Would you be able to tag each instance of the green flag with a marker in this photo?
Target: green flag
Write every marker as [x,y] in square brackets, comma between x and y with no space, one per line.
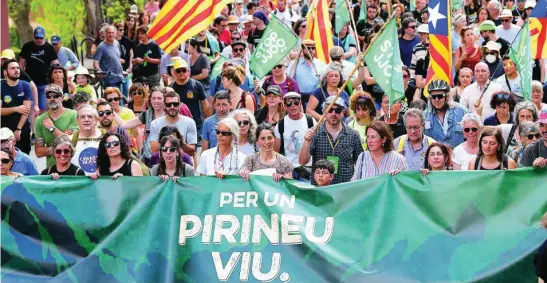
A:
[384,62]
[521,54]
[457,4]
[276,43]
[218,66]
[342,15]
[363,12]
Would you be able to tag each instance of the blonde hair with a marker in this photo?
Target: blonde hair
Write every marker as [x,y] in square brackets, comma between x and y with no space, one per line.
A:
[235,73]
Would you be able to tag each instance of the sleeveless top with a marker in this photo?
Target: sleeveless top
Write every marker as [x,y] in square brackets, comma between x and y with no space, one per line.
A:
[125,169]
[503,165]
[472,59]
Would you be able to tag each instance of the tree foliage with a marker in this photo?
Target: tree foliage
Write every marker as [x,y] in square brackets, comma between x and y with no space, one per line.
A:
[60,17]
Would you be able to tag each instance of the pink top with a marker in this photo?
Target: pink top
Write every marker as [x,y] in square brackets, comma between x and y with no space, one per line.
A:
[152,8]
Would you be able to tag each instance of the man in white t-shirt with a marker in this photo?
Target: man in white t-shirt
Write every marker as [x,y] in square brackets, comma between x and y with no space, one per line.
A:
[86,140]
[290,131]
[286,14]
[473,92]
[510,81]
[507,30]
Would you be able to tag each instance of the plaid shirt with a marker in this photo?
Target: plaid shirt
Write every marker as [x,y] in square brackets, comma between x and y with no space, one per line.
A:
[347,148]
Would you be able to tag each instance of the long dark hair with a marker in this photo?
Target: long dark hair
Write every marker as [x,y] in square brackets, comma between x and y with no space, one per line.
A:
[490,131]
[57,67]
[180,165]
[194,43]
[385,132]
[447,153]
[131,33]
[103,161]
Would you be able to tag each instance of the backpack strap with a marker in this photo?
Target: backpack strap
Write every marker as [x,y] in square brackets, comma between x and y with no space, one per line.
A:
[75,137]
[507,82]
[77,170]
[401,144]
[309,119]
[281,129]
[478,163]
[510,137]
[430,141]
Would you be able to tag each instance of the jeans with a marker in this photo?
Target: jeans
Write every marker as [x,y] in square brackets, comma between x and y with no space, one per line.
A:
[41,97]
[126,83]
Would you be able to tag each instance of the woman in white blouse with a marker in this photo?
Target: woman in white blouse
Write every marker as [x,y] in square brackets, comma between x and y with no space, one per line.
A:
[247,130]
[225,158]
[463,153]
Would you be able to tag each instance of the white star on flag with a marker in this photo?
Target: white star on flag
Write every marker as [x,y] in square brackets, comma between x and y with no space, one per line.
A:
[434,15]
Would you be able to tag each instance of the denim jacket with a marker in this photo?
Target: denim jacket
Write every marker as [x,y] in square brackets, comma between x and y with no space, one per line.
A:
[434,128]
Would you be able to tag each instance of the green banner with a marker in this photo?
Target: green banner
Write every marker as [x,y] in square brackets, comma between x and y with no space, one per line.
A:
[521,54]
[278,40]
[341,15]
[445,227]
[363,11]
[384,62]
[217,69]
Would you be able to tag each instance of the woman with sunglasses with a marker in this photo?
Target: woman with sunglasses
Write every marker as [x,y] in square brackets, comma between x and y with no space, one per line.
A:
[273,110]
[247,130]
[170,131]
[529,133]
[7,162]
[266,161]
[171,164]
[437,158]
[491,154]
[524,111]
[114,159]
[464,152]
[364,112]
[504,104]
[139,96]
[224,159]
[57,75]
[62,150]
[113,96]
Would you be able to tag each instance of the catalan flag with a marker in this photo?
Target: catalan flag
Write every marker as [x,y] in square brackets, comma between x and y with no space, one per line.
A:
[538,30]
[320,29]
[440,42]
[179,20]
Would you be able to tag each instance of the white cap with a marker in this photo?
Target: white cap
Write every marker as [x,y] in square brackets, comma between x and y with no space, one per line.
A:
[423,28]
[134,9]
[493,46]
[6,133]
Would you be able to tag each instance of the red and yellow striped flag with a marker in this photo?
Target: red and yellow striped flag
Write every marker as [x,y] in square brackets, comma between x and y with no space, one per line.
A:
[320,29]
[440,43]
[179,20]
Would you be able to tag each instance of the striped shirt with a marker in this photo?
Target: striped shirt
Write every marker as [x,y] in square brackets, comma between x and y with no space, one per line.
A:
[419,52]
[366,167]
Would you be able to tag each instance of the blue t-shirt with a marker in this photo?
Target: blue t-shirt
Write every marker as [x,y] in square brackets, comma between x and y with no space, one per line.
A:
[406,47]
[317,93]
[208,131]
[109,61]
[13,97]
[24,165]
[216,86]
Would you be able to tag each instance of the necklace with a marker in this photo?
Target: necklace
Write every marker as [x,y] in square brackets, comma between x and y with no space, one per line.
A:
[221,164]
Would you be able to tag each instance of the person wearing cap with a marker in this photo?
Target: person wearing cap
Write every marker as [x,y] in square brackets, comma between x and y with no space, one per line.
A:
[476,97]
[66,57]
[306,70]
[492,59]
[487,30]
[57,121]
[285,14]
[421,49]
[443,115]
[260,20]
[233,23]
[147,56]
[107,59]
[535,154]
[272,110]
[35,58]
[83,83]
[507,30]
[289,134]
[510,81]
[336,54]
[331,81]
[333,141]
[22,163]
[469,53]
[280,78]
[16,104]
[247,22]
[166,60]
[408,40]
[134,10]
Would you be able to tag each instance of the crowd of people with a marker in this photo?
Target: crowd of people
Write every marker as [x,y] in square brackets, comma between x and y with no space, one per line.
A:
[162,113]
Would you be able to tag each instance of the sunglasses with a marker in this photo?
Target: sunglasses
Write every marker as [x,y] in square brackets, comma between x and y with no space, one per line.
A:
[168,148]
[505,20]
[137,93]
[6,160]
[39,38]
[54,96]
[172,104]
[223,133]
[63,151]
[122,30]
[290,103]
[238,49]
[337,110]
[536,135]
[310,47]
[113,99]
[278,67]
[243,123]
[467,130]
[303,26]
[412,27]
[111,144]
[181,71]
[502,95]
[437,96]
[495,53]
[102,113]
[405,77]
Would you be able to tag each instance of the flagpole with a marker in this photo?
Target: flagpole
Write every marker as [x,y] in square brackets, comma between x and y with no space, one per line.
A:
[354,26]
[357,65]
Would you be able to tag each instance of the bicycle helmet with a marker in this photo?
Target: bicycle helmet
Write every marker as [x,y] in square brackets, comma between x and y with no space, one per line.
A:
[438,85]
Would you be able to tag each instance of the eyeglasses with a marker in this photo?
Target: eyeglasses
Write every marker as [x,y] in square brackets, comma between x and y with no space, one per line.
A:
[102,113]
[536,135]
[172,104]
[467,130]
[412,27]
[236,38]
[243,123]
[111,144]
[337,110]
[168,148]
[278,67]
[137,93]
[437,96]
[113,99]
[223,133]
[505,20]
[302,26]
[181,71]
[238,49]
[290,103]
[122,30]
[54,96]
[405,77]
[502,95]
[413,128]
[63,151]
[6,160]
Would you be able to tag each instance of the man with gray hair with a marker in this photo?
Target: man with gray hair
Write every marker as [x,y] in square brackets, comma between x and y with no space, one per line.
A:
[107,59]
[495,8]
[414,144]
[86,140]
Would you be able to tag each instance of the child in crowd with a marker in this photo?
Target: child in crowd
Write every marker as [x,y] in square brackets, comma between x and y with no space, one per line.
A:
[324,172]
[83,80]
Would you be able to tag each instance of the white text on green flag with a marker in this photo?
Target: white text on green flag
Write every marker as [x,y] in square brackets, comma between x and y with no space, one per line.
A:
[521,54]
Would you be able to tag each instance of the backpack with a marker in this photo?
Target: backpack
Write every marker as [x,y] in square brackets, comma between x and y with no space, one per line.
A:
[402,140]
[281,129]
[269,81]
[241,103]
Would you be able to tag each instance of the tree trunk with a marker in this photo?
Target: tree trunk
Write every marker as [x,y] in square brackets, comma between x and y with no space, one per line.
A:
[19,11]
[93,20]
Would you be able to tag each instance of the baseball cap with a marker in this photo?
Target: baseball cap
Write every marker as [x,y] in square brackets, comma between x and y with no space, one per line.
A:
[493,46]
[39,32]
[292,94]
[180,64]
[339,101]
[8,54]
[134,9]
[423,28]
[239,42]
[336,52]
[487,26]
[530,4]
[6,133]
[55,39]
[543,116]
[275,89]
[54,88]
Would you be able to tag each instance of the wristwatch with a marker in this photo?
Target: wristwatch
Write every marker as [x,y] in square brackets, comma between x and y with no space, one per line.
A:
[51,129]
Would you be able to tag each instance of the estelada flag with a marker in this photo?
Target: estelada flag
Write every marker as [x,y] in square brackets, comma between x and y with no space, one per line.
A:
[320,29]
[179,20]
[440,43]
[538,30]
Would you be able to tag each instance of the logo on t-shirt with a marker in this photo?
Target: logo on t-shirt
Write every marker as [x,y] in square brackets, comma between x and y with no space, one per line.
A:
[189,95]
[7,99]
[88,159]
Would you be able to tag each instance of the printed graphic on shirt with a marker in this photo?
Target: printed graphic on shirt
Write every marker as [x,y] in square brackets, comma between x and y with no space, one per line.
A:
[88,159]
[294,144]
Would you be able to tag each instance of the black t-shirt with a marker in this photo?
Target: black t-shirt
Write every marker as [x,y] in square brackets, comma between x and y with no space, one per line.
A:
[38,60]
[398,129]
[202,63]
[254,36]
[364,28]
[191,94]
[126,45]
[504,45]
[151,50]
[73,170]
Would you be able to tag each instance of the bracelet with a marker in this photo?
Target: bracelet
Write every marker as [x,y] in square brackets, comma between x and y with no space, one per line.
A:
[18,129]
